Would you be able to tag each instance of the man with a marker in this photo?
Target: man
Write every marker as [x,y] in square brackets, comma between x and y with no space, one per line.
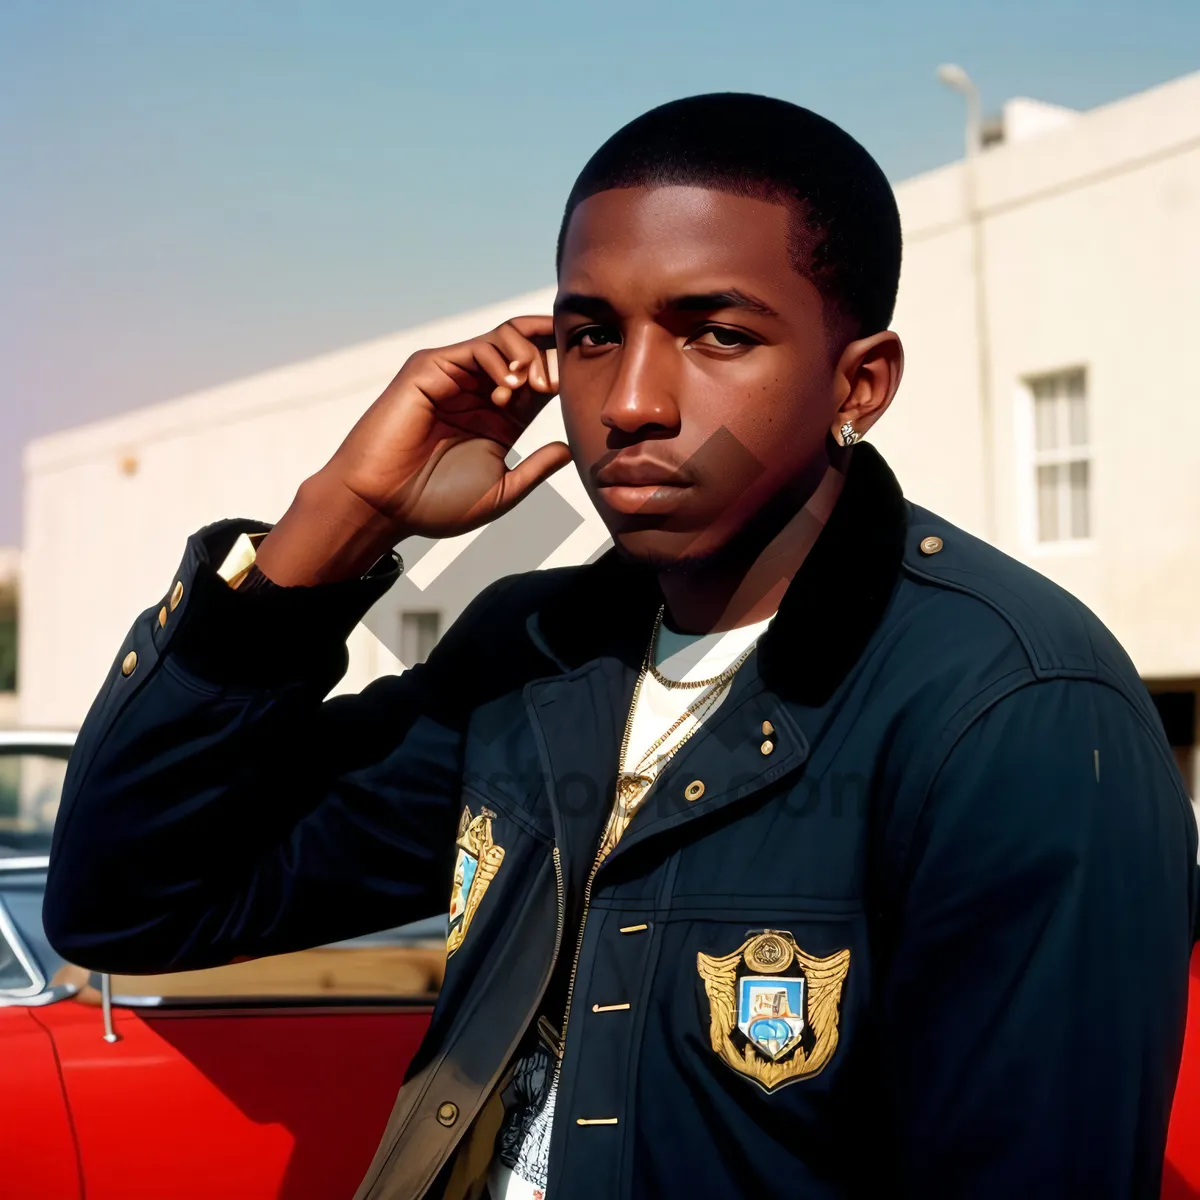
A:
[793,745]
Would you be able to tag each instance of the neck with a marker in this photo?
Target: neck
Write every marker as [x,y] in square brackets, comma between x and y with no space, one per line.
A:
[728,593]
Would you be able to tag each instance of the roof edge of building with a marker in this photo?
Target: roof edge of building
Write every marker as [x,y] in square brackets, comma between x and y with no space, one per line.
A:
[1098,142]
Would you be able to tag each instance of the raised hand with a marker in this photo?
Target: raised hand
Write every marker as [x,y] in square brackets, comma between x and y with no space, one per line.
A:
[427,458]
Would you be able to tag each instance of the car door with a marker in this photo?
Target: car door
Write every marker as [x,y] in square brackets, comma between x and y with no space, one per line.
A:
[38,1151]
[268,1079]
[1181,1174]
[271,1078]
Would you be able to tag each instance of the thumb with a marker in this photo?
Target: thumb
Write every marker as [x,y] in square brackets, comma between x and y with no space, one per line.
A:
[529,472]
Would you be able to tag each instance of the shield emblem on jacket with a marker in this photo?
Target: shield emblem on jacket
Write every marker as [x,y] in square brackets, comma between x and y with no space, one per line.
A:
[475,866]
[773,1009]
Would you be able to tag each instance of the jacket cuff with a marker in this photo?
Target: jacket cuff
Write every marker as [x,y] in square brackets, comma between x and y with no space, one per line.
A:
[266,636]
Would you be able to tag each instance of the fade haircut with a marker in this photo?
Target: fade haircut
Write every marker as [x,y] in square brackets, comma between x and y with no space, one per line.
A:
[845,228]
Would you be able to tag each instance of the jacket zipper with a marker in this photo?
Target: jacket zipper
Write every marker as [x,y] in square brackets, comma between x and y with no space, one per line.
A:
[560,890]
[587,890]
[562,1037]
[601,854]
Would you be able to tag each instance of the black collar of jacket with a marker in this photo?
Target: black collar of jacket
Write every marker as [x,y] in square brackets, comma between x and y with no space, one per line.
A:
[827,615]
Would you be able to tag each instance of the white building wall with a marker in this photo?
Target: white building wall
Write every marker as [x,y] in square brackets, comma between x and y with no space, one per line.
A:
[101,544]
[1091,234]
[1091,237]
[933,434]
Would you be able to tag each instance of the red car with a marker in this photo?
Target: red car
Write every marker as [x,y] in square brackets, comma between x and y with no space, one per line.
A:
[269,1079]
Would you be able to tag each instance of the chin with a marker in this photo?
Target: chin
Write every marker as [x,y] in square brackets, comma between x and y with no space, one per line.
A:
[729,540]
[662,551]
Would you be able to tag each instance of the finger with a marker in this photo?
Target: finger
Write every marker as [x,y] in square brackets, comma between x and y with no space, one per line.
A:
[526,404]
[479,356]
[526,361]
[535,326]
[494,363]
[488,358]
[535,468]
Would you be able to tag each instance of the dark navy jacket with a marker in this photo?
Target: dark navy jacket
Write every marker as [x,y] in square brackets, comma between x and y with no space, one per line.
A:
[967,839]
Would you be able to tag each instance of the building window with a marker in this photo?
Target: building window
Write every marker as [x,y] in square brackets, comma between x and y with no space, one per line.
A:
[8,653]
[1062,455]
[8,630]
[419,633]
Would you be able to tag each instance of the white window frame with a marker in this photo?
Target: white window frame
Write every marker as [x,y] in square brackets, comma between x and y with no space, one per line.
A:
[1029,458]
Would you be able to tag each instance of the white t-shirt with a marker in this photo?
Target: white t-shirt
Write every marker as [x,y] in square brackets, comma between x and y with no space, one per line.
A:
[682,657]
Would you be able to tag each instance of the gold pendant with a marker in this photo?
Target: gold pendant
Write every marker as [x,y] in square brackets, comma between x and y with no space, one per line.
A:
[630,786]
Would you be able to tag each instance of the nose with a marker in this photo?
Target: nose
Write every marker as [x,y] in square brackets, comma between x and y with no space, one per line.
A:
[643,390]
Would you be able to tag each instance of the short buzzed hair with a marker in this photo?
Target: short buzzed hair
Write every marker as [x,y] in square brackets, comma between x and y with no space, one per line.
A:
[846,227]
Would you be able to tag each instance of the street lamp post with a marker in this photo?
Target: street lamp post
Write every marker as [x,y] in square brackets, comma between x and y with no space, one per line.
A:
[953,76]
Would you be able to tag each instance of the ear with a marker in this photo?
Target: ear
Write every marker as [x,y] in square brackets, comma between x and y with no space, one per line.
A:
[868,374]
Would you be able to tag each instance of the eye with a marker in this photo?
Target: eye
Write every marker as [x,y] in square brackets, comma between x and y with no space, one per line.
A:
[592,337]
[722,336]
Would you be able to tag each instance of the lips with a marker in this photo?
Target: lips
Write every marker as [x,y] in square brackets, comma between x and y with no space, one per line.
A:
[639,472]
[641,486]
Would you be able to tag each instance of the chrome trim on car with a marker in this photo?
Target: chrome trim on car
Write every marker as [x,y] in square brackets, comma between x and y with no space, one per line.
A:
[106,1006]
[10,934]
[31,862]
[16,740]
[226,1002]
[220,1006]
[52,995]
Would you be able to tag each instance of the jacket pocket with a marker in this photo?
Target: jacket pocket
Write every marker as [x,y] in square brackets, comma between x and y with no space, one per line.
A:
[760,1000]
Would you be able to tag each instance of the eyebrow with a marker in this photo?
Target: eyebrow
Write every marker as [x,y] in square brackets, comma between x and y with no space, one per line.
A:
[595,307]
[711,301]
[598,308]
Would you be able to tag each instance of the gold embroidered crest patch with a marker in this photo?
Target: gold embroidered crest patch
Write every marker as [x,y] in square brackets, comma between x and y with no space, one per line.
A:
[773,1009]
[475,867]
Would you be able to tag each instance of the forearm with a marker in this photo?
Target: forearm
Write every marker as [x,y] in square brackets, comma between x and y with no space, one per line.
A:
[328,534]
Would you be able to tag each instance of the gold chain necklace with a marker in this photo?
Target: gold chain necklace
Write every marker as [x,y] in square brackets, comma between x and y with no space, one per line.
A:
[632,785]
[716,682]
[690,683]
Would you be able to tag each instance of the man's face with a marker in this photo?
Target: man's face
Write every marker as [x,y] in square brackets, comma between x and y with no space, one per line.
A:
[697,379]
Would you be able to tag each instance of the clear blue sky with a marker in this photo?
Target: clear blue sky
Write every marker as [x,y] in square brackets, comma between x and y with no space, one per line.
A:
[191,191]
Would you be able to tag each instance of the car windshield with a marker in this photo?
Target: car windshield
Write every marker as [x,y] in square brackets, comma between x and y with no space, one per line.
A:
[30,789]
[13,975]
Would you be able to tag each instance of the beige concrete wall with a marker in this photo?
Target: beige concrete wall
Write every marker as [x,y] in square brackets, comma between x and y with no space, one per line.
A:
[108,506]
[1091,238]
[933,433]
